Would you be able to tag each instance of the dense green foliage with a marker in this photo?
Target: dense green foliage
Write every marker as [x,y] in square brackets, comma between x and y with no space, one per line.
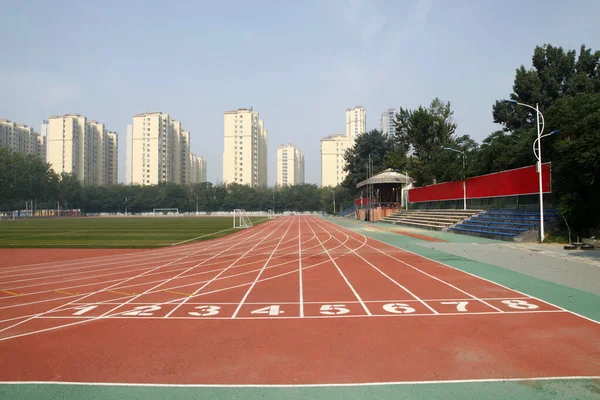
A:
[114,232]
[25,178]
[370,146]
[566,85]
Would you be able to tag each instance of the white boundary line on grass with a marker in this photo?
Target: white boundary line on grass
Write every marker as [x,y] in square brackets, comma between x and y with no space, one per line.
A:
[306,385]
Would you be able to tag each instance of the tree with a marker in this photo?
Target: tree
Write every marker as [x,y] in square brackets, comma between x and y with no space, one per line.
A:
[566,87]
[374,145]
[576,162]
[24,177]
[424,132]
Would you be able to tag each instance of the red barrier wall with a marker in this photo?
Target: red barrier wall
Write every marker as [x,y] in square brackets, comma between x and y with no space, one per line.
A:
[360,202]
[513,182]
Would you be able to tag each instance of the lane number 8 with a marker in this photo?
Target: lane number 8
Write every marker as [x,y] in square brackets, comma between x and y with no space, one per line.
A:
[519,304]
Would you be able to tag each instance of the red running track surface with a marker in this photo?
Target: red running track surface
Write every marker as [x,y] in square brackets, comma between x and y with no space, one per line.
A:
[298,300]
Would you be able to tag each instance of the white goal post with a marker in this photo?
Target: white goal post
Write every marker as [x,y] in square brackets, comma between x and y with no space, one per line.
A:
[165,212]
[4,215]
[241,219]
[270,214]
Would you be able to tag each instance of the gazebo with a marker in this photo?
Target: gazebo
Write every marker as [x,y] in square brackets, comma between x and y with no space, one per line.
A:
[384,193]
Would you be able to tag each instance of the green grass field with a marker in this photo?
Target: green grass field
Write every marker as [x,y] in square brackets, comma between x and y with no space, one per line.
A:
[120,232]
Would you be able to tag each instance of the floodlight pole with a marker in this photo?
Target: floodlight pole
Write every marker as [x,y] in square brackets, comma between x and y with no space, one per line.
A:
[333,191]
[538,155]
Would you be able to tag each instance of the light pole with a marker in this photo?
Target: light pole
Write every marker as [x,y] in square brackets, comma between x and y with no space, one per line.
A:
[538,155]
[333,191]
[464,175]
[125,205]
[196,204]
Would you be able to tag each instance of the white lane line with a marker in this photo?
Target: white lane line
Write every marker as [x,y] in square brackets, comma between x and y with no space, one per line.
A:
[424,273]
[195,248]
[103,290]
[490,281]
[266,386]
[417,298]
[156,281]
[108,313]
[301,290]
[237,310]
[218,275]
[390,315]
[362,303]
[111,301]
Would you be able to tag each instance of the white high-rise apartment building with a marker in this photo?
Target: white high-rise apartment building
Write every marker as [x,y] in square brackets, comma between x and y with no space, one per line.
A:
[198,169]
[387,122]
[22,139]
[356,121]
[160,150]
[290,165]
[333,148]
[129,154]
[245,148]
[83,148]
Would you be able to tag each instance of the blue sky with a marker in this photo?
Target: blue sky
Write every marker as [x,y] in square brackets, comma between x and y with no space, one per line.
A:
[300,64]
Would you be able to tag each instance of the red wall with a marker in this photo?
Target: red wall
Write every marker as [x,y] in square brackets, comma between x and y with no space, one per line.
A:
[365,200]
[519,181]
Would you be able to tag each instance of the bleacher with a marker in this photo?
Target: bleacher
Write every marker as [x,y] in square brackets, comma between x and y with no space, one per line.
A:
[505,224]
[430,219]
[346,212]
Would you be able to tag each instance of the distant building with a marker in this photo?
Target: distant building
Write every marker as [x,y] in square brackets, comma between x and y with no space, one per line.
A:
[198,169]
[290,165]
[356,121]
[333,148]
[84,148]
[245,148]
[22,139]
[160,150]
[129,154]
[387,122]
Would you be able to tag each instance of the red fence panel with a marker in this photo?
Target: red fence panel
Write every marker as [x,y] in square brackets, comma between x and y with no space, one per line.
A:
[361,201]
[513,182]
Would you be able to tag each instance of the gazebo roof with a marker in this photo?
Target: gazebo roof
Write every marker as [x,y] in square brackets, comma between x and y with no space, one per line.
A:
[387,176]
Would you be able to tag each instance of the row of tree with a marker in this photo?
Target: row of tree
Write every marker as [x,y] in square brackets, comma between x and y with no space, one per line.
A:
[26,179]
[566,86]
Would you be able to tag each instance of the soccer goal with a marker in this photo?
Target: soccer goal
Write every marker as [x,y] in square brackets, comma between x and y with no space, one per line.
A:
[165,212]
[241,219]
[270,214]
[7,215]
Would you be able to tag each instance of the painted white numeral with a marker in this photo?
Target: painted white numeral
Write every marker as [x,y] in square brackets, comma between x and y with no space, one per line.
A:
[398,308]
[142,311]
[270,310]
[334,309]
[205,311]
[519,304]
[83,310]
[460,305]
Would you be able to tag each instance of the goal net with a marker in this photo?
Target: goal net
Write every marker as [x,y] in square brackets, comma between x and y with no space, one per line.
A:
[241,219]
[270,214]
[4,215]
[165,212]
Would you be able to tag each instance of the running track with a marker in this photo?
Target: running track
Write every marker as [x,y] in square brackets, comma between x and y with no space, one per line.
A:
[298,300]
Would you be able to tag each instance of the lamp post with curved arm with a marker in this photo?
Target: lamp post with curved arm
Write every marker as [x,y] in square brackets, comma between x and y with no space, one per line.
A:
[538,154]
